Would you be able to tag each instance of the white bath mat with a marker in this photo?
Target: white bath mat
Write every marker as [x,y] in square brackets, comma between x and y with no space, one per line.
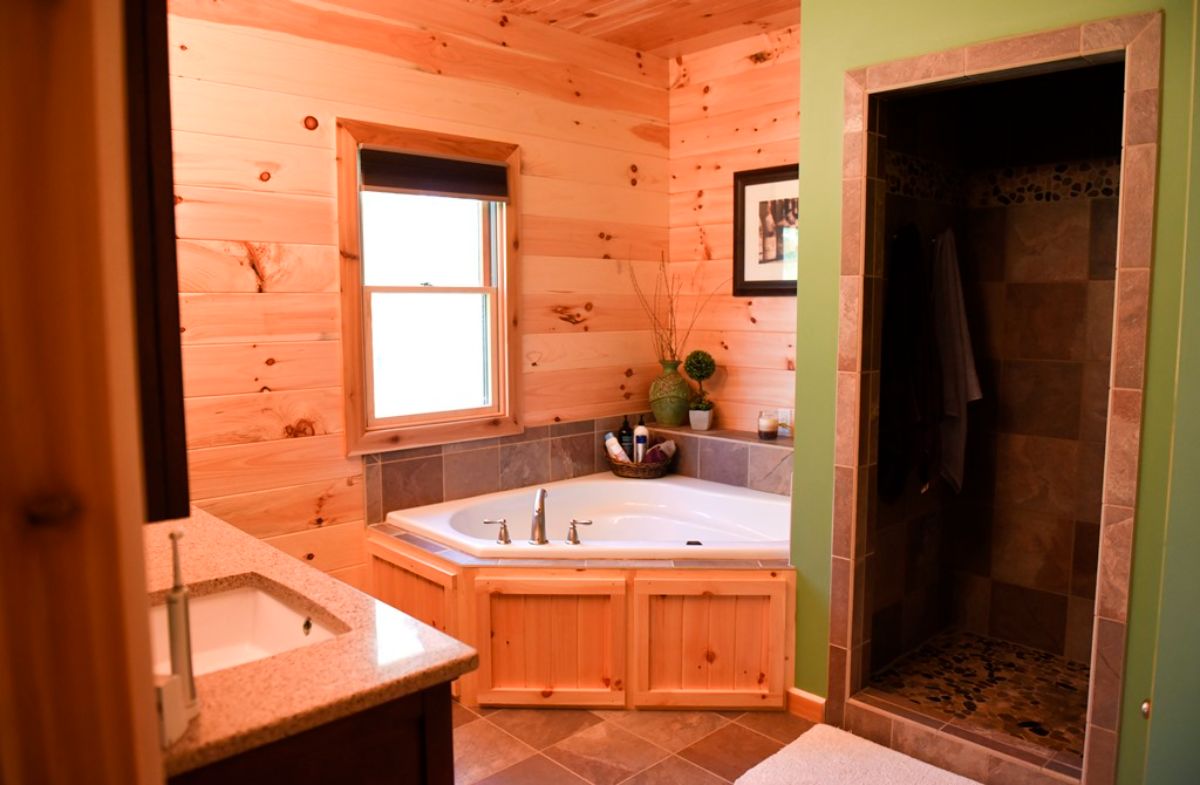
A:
[828,756]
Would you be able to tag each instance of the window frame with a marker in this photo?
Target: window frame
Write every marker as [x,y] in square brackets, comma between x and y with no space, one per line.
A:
[364,433]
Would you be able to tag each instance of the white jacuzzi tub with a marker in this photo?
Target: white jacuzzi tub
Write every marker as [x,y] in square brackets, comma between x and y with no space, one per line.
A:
[632,519]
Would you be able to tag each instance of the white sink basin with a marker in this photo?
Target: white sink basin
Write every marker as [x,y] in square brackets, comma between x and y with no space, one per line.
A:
[235,627]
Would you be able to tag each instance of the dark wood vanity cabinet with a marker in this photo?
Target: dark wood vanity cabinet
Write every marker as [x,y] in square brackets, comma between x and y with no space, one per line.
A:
[403,742]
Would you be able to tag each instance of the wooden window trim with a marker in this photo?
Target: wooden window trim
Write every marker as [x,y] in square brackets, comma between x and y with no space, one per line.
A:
[504,419]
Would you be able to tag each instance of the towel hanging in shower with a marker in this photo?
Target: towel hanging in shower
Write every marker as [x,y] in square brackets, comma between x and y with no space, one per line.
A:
[910,399]
[960,382]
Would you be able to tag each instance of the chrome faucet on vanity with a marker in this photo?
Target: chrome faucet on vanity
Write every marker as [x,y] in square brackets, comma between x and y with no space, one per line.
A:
[537,531]
[179,629]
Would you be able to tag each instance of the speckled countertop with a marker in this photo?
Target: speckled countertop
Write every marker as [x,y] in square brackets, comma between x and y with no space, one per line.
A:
[380,654]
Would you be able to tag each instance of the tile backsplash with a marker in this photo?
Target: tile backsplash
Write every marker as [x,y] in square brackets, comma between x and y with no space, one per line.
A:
[544,453]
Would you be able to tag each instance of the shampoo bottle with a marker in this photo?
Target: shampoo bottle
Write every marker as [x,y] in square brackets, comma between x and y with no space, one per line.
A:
[641,440]
[625,436]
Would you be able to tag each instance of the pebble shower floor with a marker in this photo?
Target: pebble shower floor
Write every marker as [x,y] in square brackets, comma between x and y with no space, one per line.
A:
[1037,697]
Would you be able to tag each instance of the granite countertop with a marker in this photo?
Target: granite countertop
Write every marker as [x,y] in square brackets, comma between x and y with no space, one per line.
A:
[379,654]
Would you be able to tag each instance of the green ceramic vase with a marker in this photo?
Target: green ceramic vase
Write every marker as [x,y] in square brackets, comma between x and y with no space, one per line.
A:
[670,394]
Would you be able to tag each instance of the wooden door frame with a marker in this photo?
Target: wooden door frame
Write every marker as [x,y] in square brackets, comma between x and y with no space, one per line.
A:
[75,666]
[1136,39]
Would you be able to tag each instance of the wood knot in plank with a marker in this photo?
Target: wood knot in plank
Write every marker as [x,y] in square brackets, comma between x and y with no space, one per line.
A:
[301,428]
[254,257]
[569,315]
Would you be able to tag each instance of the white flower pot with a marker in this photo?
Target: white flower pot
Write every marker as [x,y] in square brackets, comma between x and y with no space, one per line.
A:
[701,420]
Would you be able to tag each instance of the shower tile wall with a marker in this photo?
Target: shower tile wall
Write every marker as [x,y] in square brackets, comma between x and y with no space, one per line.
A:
[1014,555]
[908,574]
[1024,532]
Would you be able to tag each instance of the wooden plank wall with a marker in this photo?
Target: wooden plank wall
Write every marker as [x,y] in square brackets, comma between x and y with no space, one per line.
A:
[733,107]
[257,85]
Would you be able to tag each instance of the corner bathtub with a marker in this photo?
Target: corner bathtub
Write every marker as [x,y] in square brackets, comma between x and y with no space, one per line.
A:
[631,519]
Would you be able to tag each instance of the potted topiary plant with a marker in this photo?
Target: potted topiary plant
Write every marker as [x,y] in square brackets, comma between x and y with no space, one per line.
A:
[700,366]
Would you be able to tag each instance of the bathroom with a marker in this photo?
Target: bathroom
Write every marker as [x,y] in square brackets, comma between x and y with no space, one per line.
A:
[627,134]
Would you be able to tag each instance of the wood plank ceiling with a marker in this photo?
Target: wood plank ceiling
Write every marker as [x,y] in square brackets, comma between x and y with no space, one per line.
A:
[668,28]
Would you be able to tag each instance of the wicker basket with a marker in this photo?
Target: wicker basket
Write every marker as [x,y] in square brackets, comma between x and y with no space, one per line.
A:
[639,471]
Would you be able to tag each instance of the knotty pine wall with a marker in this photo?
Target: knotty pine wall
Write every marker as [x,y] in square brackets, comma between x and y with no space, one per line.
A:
[733,107]
[257,85]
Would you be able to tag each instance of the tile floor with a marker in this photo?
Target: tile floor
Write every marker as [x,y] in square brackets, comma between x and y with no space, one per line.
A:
[994,685]
[578,747]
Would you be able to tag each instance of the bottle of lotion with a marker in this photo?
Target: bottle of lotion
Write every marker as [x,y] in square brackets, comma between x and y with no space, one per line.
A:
[641,440]
[614,448]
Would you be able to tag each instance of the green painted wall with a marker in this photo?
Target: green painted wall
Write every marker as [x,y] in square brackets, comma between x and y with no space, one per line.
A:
[1173,754]
[838,35]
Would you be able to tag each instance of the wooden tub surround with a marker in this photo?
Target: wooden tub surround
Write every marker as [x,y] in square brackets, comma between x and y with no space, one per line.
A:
[605,633]
[1137,40]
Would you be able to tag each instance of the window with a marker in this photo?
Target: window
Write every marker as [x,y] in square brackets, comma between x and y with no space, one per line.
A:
[428,241]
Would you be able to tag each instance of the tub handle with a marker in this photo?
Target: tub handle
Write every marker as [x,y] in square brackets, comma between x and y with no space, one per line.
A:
[502,537]
[573,533]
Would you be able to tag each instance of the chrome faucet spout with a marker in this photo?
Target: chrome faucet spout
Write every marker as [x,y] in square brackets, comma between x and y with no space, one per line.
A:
[537,529]
[179,629]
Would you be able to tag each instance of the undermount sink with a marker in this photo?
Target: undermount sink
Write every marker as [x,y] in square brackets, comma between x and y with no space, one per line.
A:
[234,627]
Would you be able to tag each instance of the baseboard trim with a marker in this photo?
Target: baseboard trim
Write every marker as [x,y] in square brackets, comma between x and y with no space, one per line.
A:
[806,705]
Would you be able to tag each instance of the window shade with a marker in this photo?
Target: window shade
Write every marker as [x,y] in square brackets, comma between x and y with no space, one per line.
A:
[424,174]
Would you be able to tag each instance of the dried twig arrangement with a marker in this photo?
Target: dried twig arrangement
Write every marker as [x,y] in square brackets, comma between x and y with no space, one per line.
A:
[662,306]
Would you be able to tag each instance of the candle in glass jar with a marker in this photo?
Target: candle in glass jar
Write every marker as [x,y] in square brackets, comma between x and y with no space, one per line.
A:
[768,425]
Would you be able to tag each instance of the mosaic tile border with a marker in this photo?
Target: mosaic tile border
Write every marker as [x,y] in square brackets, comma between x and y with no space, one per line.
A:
[1098,178]
[1139,39]
[915,177]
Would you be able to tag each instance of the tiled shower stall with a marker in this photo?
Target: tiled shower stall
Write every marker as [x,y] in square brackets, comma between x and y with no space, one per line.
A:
[982,629]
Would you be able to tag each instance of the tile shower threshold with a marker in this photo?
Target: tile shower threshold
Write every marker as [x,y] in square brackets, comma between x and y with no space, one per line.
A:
[966,750]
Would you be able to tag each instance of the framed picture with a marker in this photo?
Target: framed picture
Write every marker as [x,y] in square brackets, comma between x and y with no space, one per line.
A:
[765,236]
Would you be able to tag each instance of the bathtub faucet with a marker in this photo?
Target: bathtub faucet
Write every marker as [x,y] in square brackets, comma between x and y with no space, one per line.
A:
[537,532]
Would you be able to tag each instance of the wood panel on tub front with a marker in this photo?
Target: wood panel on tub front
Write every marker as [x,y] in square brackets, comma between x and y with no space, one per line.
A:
[601,637]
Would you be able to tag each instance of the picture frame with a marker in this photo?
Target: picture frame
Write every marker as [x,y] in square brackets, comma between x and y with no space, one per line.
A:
[765,234]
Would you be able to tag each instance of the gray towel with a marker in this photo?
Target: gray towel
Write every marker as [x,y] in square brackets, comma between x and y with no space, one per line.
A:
[960,383]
